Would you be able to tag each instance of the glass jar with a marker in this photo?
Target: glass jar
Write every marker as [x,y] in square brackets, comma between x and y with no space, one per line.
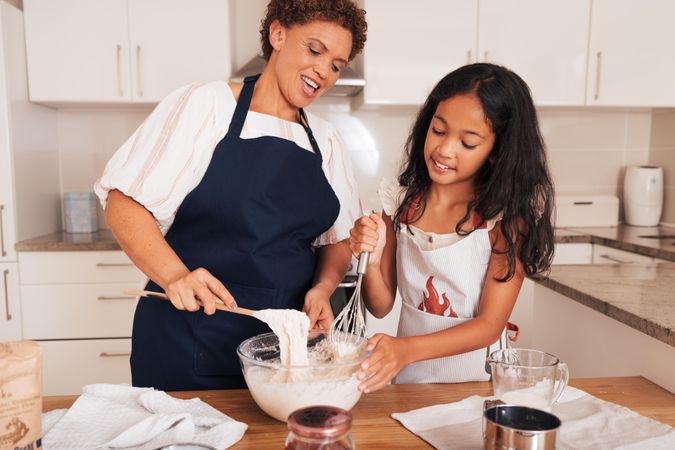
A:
[320,428]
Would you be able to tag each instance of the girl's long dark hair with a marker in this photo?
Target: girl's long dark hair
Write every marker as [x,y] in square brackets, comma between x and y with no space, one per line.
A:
[515,180]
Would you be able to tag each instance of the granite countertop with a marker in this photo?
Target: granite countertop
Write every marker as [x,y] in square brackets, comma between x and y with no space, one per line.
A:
[67,242]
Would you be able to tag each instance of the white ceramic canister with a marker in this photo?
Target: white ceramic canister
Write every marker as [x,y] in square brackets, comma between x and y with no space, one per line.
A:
[80,212]
[643,195]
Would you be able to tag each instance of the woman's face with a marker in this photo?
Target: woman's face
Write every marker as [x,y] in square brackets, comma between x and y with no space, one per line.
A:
[308,58]
[459,140]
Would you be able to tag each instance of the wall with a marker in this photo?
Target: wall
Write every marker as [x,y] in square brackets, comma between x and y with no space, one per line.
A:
[662,153]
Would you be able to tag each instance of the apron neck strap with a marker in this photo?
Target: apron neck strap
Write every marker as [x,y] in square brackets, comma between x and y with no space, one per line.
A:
[245,96]
[244,103]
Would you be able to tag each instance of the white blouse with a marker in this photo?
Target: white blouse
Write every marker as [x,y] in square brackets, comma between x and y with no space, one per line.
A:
[168,155]
[392,194]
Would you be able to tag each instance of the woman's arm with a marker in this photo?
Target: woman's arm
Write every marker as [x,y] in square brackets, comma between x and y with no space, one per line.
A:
[375,234]
[332,264]
[390,355]
[139,236]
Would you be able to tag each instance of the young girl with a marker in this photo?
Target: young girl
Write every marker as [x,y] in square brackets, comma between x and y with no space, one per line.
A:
[467,220]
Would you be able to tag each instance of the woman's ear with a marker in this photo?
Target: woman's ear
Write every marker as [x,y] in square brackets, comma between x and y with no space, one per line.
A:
[277,35]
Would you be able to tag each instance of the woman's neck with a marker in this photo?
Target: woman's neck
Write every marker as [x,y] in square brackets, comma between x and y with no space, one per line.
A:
[269,99]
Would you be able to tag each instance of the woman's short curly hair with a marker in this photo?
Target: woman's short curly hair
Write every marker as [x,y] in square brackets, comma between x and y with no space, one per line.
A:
[290,12]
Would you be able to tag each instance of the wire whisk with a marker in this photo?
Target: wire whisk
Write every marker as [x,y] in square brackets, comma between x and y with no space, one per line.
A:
[349,327]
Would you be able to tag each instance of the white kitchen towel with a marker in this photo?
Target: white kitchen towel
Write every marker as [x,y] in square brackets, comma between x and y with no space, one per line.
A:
[587,423]
[108,416]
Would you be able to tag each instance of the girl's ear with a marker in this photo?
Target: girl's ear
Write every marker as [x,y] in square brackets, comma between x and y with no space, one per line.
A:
[277,35]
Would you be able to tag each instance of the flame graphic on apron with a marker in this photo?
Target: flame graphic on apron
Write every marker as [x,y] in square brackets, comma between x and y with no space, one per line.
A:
[433,304]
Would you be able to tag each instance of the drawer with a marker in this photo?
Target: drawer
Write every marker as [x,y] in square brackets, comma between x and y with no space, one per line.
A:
[609,255]
[73,311]
[67,366]
[77,267]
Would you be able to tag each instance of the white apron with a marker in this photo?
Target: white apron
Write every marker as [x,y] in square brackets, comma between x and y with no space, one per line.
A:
[440,289]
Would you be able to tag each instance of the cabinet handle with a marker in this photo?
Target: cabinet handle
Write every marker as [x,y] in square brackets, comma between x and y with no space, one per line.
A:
[468,57]
[138,70]
[616,260]
[112,355]
[2,233]
[114,264]
[104,297]
[119,71]
[5,274]
[597,76]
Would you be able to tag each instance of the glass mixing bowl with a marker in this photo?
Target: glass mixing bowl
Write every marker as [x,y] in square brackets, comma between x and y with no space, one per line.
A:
[279,390]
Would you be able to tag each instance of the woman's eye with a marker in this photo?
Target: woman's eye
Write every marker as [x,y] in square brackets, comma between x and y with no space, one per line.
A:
[336,69]
[314,52]
[467,146]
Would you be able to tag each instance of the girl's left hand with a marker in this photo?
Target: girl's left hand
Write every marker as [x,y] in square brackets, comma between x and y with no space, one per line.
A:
[318,309]
[388,358]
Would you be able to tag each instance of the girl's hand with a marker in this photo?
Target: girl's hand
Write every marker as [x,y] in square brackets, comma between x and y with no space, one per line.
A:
[317,307]
[369,234]
[199,286]
[388,358]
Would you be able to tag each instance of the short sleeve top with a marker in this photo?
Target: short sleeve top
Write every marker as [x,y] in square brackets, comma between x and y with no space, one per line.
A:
[167,156]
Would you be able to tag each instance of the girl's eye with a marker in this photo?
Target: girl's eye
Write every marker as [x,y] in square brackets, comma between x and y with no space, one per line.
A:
[467,146]
[437,132]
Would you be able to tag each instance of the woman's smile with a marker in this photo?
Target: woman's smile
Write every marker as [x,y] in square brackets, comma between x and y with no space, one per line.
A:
[309,85]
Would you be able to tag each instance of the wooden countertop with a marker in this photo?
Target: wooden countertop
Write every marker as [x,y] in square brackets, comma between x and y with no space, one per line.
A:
[373,427]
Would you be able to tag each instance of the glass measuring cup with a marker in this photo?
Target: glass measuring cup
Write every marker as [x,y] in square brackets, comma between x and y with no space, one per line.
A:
[527,377]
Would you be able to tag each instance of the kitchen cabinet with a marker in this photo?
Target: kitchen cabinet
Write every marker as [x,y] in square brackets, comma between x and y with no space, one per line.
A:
[573,253]
[609,255]
[123,51]
[631,59]
[73,304]
[545,42]
[405,57]
[10,308]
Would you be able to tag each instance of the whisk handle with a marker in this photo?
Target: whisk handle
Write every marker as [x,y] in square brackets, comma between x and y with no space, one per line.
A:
[363,263]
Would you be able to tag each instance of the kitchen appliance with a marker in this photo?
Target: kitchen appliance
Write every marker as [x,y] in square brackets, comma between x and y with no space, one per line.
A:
[349,84]
[643,195]
[586,210]
[527,377]
[510,427]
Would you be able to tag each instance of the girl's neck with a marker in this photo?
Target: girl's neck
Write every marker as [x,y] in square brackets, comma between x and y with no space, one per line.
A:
[269,99]
[451,195]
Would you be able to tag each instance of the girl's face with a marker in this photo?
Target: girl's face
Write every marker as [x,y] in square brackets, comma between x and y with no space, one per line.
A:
[308,58]
[459,140]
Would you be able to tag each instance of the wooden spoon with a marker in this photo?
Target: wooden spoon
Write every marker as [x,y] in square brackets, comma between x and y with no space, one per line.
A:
[220,306]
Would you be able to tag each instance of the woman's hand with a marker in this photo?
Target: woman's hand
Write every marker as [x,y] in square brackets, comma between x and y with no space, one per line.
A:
[317,307]
[369,234]
[199,286]
[389,356]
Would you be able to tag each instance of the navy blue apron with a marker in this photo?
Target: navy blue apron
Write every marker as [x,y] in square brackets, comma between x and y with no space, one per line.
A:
[250,222]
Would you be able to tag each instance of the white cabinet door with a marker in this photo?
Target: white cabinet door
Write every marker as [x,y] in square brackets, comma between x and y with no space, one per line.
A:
[7,232]
[77,50]
[631,56]
[609,255]
[10,306]
[405,57]
[175,42]
[573,254]
[543,41]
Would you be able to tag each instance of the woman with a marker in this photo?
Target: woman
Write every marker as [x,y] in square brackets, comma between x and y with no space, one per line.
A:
[230,193]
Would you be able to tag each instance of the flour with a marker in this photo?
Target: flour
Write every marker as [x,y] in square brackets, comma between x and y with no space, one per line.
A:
[292,328]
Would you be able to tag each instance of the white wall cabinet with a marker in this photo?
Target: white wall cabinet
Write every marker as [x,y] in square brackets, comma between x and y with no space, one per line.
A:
[73,304]
[10,307]
[631,60]
[404,57]
[122,51]
[545,42]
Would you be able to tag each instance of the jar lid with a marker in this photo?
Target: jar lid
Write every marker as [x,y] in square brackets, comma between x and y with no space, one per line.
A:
[320,421]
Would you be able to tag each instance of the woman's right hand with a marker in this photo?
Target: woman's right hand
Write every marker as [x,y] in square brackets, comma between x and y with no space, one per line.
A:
[369,235]
[199,286]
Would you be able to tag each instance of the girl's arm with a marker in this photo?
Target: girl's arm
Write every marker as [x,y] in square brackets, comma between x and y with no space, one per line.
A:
[139,236]
[375,234]
[390,355]
[332,264]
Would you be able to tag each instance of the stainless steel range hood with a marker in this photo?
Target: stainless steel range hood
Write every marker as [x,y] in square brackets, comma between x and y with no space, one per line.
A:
[349,84]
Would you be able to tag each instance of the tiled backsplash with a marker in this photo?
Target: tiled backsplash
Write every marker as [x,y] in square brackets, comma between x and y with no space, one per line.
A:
[588,150]
[662,153]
